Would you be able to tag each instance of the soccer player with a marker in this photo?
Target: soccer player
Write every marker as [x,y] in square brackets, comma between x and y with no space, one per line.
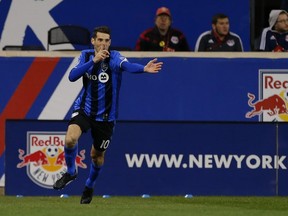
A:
[96,107]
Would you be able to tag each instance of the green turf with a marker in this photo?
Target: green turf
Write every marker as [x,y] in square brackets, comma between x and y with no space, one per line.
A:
[158,206]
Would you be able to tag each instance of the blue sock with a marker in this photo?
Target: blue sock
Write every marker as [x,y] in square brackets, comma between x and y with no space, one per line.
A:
[70,157]
[94,172]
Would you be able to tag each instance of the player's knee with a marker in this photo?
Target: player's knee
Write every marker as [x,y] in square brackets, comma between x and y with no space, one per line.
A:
[98,158]
[99,161]
[70,141]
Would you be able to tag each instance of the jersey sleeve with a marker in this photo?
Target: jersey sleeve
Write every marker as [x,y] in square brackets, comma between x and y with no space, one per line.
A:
[239,44]
[122,63]
[263,39]
[132,67]
[201,43]
[80,68]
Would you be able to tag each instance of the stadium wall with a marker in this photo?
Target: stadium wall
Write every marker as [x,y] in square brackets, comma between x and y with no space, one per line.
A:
[192,87]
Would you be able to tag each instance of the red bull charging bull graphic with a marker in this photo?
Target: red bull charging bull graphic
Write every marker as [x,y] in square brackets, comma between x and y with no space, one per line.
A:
[44,158]
[272,105]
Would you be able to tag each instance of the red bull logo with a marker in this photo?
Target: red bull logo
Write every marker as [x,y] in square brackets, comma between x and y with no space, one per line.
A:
[273,97]
[44,158]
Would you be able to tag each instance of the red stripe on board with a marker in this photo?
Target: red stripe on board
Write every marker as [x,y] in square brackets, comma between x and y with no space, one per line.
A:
[26,93]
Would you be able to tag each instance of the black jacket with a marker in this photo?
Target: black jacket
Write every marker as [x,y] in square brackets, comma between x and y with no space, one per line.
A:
[151,40]
[207,41]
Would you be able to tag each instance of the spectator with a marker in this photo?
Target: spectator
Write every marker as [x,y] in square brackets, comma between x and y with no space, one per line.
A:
[162,37]
[274,37]
[219,38]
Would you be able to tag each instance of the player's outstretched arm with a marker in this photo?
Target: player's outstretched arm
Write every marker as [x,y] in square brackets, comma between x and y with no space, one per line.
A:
[153,66]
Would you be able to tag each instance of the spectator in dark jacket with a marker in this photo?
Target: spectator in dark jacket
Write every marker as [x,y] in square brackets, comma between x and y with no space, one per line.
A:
[162,37]
[220,38]
[275,37]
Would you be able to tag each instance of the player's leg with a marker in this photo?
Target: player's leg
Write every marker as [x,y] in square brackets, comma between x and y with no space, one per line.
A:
[95,168]
[71,147]
[102,134]
[70,152]
[79,123]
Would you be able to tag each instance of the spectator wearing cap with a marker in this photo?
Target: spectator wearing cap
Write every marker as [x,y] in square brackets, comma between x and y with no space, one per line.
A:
[162,37]
[220,38]
[275,37]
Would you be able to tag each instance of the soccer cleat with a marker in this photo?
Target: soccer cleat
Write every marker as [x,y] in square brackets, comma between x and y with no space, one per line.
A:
[87,195]
[64,180]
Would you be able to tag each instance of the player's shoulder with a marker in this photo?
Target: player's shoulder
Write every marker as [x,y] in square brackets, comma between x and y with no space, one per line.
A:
[116,54]
[87,51]
[85,54]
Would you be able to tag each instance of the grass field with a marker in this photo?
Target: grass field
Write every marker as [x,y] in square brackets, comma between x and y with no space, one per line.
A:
[158,206]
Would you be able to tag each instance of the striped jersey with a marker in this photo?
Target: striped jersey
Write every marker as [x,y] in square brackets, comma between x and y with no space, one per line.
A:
[101,84]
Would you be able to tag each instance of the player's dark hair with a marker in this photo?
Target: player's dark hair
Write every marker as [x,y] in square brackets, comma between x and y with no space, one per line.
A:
[218,16]
[102,29]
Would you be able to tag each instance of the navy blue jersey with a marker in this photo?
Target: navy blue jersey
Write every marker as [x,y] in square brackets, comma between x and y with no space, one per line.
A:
[101,84]
[270,39]
[207,41]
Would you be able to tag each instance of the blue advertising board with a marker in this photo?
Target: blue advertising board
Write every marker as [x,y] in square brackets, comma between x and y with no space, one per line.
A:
[157,158]
[190,87]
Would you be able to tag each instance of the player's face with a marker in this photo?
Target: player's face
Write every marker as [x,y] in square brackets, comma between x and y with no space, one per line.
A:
[282,23]
[163,22]
[222,26]
[101,41]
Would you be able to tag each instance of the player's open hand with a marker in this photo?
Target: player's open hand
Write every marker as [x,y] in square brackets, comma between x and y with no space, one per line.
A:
[153,66]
